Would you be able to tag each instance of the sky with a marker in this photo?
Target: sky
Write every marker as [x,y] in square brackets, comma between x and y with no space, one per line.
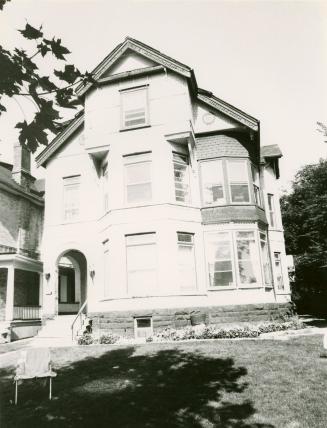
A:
[268,58]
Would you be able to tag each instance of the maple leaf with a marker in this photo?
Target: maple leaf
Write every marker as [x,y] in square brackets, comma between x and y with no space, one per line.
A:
[69,75]
[57,48]
[31,33]
[2,3]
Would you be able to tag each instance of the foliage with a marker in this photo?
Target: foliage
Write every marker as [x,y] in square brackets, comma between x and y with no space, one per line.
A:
[85,339]
[304,212]
[215,332]
[21,76]
[323,129]
[109,338]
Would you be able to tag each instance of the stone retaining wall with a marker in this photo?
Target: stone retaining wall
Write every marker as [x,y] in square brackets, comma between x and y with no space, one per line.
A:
[122,322]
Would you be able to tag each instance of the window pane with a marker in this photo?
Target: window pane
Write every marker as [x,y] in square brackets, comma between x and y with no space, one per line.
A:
[246,271]
[138,172]
[265,259]
[139,193]
[237,171]
[218,279]
[134,107]
[240,193]
[247,255]
[71,197]
[219,258]
[279,273]
[185,237]
[212,182]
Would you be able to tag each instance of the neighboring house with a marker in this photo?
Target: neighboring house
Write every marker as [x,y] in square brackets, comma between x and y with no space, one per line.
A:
[21,223]
[160,200]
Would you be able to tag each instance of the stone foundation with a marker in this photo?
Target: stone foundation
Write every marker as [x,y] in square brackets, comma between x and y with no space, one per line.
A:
[122,322]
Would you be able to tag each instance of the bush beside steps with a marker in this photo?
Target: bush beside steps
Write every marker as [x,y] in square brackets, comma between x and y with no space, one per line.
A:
[200,332]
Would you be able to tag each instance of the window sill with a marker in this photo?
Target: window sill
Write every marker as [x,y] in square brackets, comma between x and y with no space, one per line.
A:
[134,128]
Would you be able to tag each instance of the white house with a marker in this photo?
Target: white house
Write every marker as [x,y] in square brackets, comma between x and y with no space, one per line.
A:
[160,203]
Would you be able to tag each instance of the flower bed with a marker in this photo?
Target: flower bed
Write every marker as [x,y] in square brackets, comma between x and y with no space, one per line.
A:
[200,332]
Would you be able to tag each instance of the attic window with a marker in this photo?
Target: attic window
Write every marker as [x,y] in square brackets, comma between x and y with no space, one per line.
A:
[134,107]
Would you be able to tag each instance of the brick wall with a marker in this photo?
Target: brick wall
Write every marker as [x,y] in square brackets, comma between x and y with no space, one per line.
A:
[3,292]
[20,214]
[212,146]
[26,291]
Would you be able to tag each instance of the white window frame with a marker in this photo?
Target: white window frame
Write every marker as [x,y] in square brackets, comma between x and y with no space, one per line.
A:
[124,93]
[136,327]
[264,240]
[155,269]
[230,183]
[68,182]
[256,185]
[223,200]
[279,259]
[257,270]
[133,159]
[189,244]
[271,210]
[233,285]
[187,194]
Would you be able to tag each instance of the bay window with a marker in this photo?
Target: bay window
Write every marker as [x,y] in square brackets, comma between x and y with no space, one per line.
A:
[71,197]
[134,107]
[181,176]
[219,259]
[138,178]
[265,258]
[238,181]
[212,178]
[256,185]
[247,257]
[141,264]
[186,261]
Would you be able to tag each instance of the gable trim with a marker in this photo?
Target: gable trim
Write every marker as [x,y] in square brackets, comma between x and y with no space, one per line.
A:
[142,49]
[59,140]
[230,111]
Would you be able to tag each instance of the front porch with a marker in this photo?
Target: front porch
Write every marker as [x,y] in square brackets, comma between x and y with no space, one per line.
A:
[20,296]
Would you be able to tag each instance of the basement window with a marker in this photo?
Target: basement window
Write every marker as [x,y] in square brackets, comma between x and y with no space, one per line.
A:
[143,327]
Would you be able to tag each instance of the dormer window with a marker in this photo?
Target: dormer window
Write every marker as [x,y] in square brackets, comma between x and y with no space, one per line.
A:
[134,108]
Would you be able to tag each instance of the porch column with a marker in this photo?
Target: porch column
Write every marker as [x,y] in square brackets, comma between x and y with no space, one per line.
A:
[10,293]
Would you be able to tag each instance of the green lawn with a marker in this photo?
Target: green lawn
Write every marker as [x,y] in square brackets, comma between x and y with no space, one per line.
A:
[243,384]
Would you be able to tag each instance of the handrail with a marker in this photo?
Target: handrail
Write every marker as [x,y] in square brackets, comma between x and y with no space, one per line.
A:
[78,316]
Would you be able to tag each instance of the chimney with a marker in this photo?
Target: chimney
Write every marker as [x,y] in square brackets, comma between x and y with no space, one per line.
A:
[21,172]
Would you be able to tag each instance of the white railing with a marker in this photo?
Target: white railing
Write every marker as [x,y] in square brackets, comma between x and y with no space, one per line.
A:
[80,316]
[26,312]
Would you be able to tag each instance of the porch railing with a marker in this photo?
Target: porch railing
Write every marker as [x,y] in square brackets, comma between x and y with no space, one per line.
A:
[26,312]
[80,317]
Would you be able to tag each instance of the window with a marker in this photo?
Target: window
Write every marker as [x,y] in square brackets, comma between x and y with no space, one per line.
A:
[271,209]
[134,107]
[247,256]
[265,258]
[279,272]
[219,257]
[105,183]
[143,327]
[212,182]
[256,185]
[238,181]
[71,197]
[141,264]
[138,178]
[186,261]
[182,179]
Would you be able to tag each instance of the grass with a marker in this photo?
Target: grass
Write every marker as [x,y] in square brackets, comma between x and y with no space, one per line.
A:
[234,384]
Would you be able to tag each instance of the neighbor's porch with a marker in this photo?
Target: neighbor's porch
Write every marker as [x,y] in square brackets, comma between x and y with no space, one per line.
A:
[20,295]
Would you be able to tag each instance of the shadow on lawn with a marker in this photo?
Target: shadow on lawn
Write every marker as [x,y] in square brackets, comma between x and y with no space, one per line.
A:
[121,388]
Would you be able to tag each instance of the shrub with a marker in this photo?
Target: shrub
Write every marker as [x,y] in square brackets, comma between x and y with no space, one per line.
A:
[214,332]
[109,338]
[86,339]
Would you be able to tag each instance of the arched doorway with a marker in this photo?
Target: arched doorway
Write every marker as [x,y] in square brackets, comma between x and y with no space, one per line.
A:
[72,282]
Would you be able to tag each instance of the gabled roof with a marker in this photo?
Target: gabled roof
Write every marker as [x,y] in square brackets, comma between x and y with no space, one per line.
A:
[146,51]
[240,116]
[162,60]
